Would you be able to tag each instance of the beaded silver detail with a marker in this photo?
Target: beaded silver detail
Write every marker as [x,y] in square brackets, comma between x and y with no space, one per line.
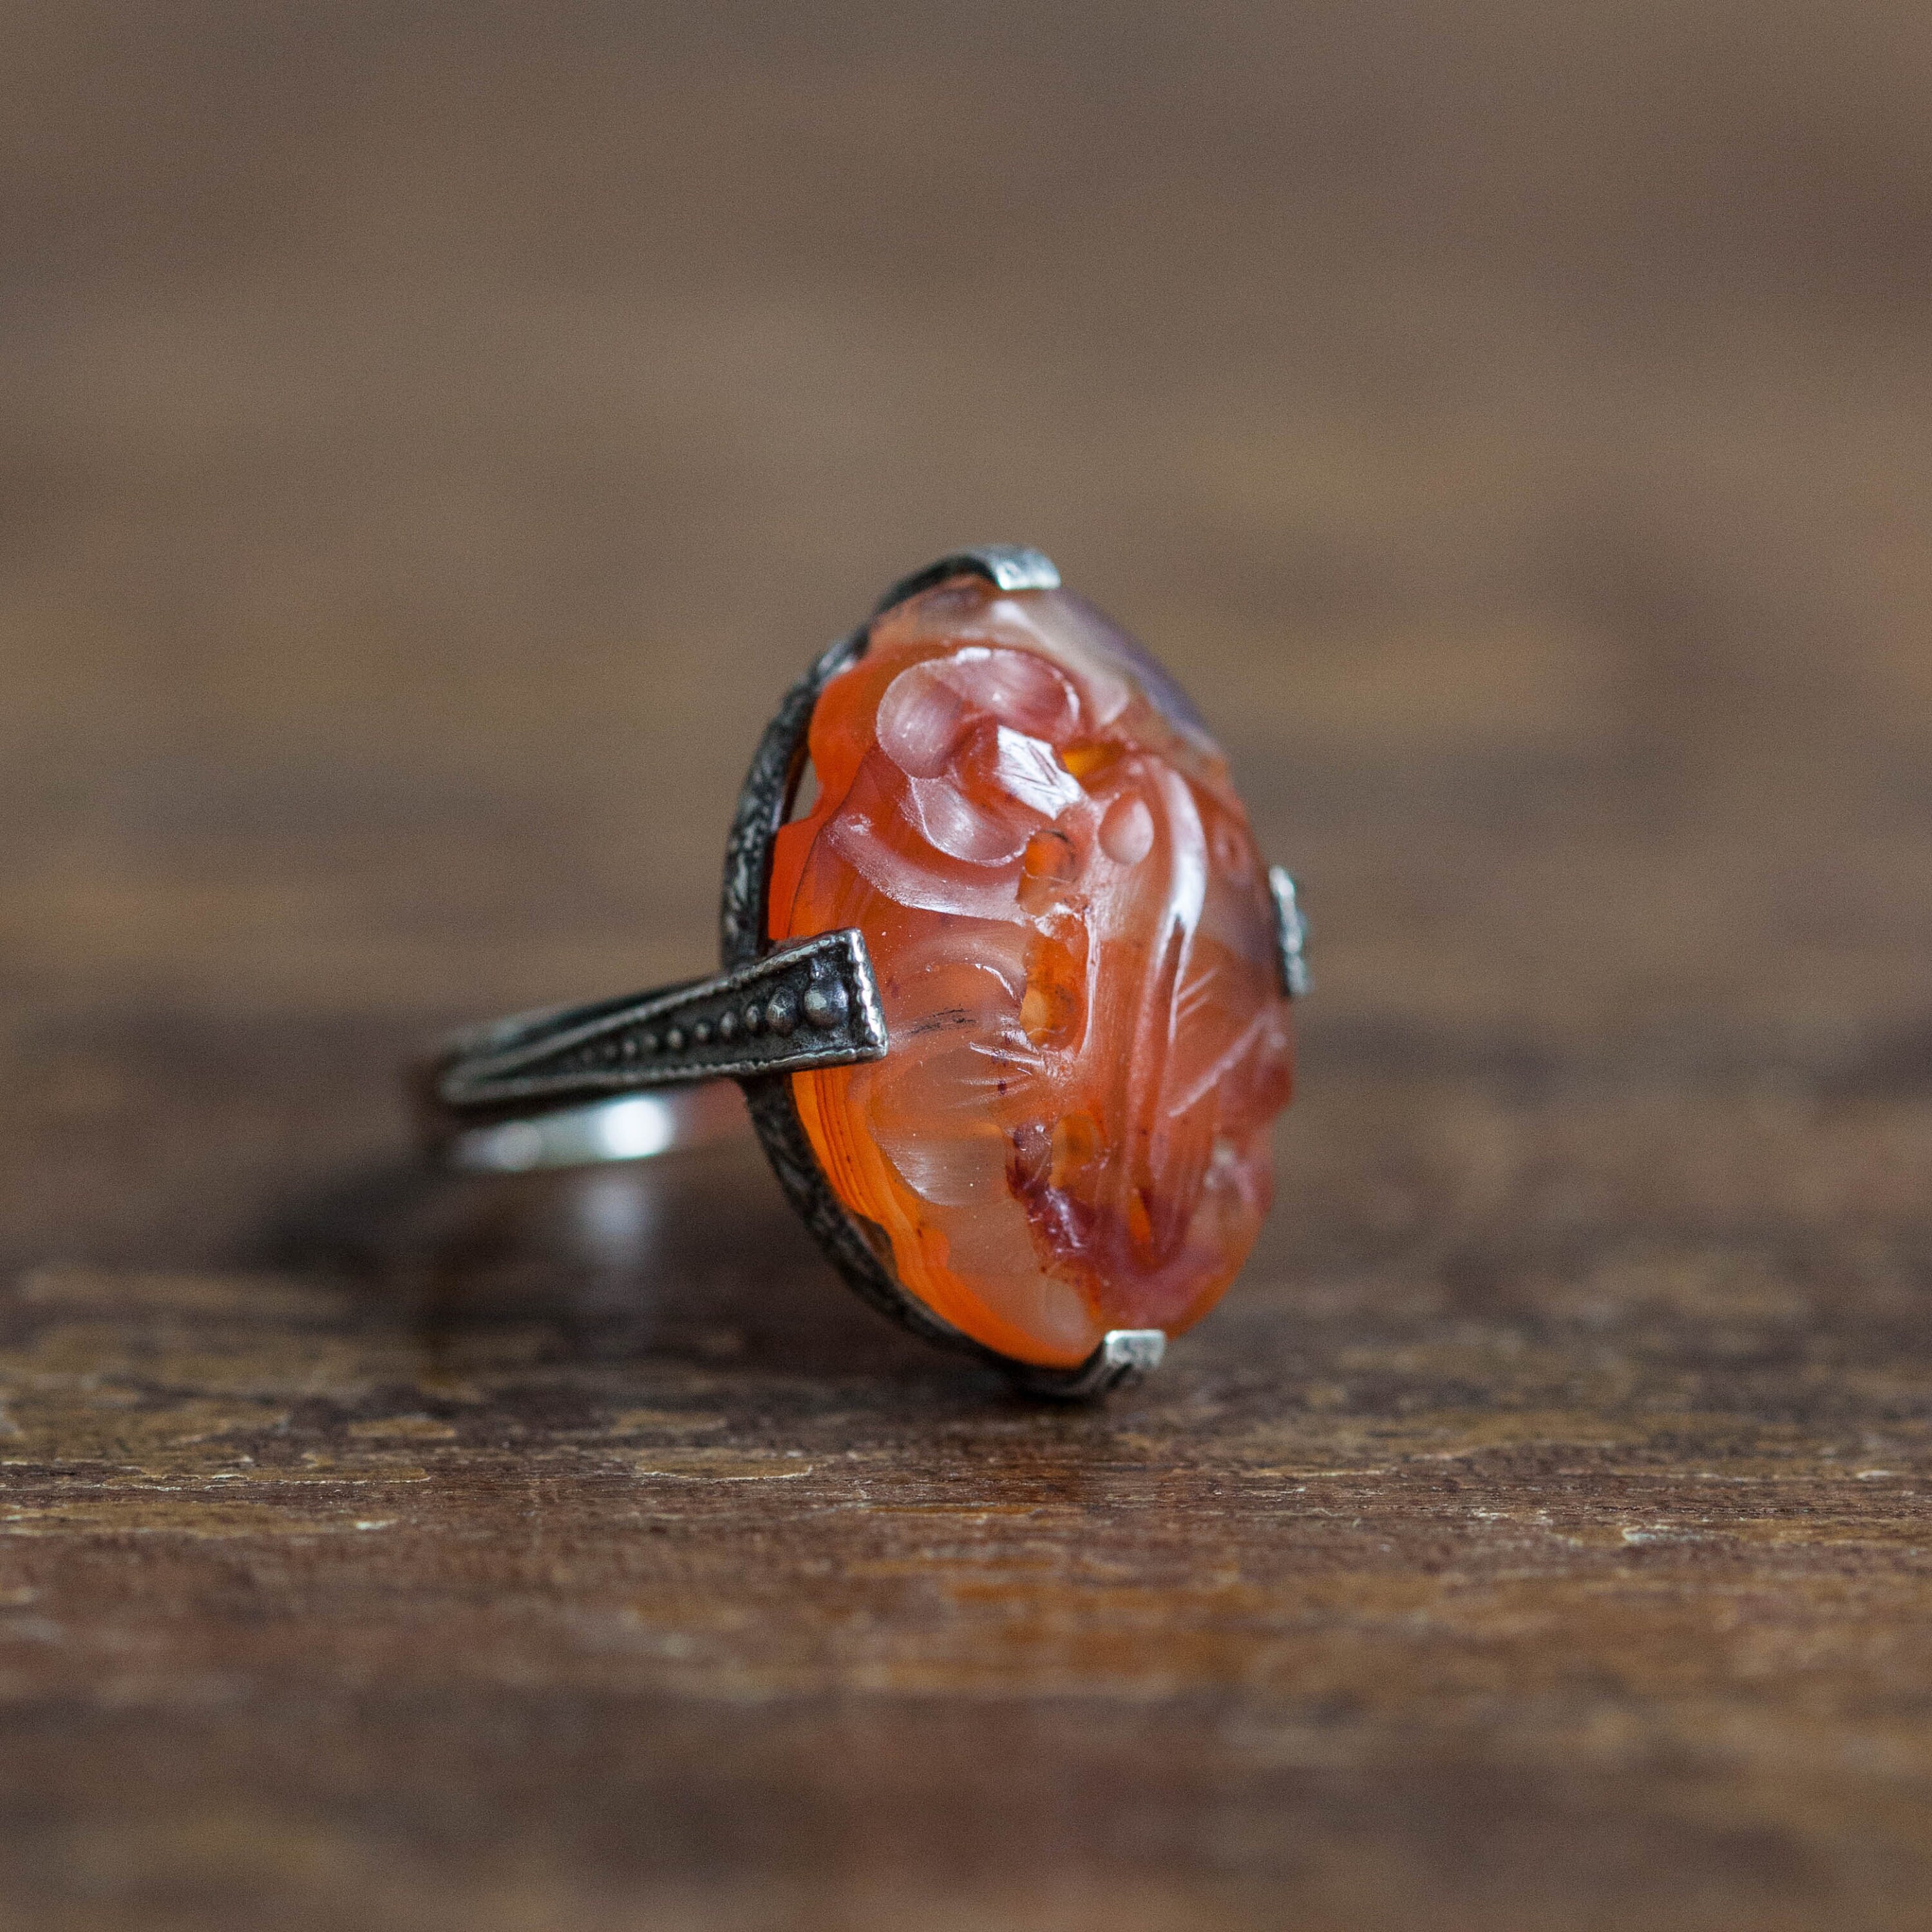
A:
[824,1002]
[696,1034]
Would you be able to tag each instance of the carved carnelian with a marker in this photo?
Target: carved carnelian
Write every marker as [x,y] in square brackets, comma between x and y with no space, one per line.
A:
[1074,941]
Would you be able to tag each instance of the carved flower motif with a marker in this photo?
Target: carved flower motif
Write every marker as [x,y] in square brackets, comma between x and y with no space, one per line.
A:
[1074,941]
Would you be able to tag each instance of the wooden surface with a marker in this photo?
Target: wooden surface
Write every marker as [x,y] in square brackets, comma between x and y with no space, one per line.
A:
[426,450]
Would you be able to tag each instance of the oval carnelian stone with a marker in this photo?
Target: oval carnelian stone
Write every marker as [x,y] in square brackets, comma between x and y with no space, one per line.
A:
[1074,941]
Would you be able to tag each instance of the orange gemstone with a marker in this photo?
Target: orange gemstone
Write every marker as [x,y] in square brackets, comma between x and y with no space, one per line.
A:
[1075,946]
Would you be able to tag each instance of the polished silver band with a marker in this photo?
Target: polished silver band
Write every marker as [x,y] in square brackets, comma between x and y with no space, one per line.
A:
[632,1127]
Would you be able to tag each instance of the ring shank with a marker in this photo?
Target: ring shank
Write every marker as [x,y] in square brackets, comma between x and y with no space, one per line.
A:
[649,1073]
[633,1126]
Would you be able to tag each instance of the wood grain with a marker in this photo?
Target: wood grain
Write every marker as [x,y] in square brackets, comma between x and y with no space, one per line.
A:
[427,450]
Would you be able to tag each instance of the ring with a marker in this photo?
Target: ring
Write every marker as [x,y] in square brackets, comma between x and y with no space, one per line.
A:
[1004,981]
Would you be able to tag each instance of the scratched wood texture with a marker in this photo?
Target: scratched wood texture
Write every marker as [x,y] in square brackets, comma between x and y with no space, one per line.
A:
[427,444]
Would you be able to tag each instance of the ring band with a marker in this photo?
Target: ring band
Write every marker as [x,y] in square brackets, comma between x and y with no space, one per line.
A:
[636,1076]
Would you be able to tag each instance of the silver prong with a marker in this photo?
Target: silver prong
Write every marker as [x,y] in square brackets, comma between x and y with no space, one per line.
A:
[1123,1356]
[1005,566]
[1291,931]
[1134,1351]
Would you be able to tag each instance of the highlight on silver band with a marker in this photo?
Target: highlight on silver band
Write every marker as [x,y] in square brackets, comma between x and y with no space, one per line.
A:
[813,1002]
[632,1126]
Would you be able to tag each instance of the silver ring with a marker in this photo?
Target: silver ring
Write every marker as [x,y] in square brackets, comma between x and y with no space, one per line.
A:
[633,1077]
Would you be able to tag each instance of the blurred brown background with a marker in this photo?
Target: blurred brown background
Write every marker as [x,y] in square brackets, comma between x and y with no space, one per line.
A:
[430,438]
